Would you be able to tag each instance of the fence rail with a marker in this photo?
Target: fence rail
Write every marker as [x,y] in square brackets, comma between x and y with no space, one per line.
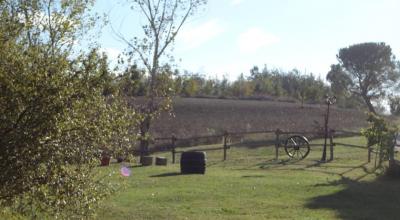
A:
[351,145]
[278,141]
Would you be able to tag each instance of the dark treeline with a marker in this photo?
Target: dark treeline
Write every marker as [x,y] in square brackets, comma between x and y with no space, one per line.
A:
[261,84]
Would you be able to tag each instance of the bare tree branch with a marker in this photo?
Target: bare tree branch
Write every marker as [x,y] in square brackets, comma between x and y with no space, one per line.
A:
[134,48]
[174,33]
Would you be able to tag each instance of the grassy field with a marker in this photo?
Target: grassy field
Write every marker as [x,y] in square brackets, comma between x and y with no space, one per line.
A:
[252,185]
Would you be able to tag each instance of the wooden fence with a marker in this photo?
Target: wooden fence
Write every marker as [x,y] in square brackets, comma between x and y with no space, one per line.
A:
[278,141]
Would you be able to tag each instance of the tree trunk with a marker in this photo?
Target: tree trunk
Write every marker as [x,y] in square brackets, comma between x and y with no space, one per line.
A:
[144,142]
[369,104]
[391,153]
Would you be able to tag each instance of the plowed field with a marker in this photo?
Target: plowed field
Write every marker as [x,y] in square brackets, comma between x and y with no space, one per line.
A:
[197,116]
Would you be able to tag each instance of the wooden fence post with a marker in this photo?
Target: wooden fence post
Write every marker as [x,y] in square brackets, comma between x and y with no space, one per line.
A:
[331,144]
[225,143]
[391,153]
[369,154]
[173,145]
[277,143]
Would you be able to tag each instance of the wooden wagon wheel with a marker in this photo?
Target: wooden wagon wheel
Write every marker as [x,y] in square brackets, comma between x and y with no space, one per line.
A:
[297,147]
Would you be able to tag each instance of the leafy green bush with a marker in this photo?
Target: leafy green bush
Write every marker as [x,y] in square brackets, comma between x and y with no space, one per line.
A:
[54,117]
[381,135]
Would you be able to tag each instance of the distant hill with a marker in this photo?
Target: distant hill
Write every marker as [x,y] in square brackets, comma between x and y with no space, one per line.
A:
[202,116]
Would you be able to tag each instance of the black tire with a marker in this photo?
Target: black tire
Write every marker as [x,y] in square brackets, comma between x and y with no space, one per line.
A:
[193,162]
[297,147]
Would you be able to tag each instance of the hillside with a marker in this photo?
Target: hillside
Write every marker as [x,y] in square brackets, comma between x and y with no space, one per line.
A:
[198,116]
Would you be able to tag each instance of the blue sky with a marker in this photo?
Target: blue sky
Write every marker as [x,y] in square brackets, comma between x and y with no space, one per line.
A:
[229,37]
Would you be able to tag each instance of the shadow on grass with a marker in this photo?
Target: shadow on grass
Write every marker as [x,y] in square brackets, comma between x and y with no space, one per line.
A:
[135,166]
[168,174]
[313,166]
[379,199]
[273,164]
[269,164]
[253,176]
[213,163]
[175,174]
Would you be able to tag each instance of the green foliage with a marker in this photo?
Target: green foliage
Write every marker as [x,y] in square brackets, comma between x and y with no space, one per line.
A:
[366,70]
[190,88]
[54,117]
[340,81]
[265,84]
[310,89]
[132,82]
[241,88]
[381,135]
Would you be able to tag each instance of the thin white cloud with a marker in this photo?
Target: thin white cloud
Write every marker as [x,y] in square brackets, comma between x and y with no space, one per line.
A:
[254,39]
[236,2]
[193,37]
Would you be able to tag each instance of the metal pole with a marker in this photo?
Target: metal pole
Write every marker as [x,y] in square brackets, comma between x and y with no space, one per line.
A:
[331,144]
[329,101]
[323,159]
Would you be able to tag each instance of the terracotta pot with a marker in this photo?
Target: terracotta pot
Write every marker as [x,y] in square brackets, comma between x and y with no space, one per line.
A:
[105,161]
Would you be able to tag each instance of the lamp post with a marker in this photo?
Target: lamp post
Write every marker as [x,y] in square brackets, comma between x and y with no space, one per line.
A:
[330,100]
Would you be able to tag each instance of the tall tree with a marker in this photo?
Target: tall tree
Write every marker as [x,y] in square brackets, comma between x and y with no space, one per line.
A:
[366,70]
[340,83]
[164,19]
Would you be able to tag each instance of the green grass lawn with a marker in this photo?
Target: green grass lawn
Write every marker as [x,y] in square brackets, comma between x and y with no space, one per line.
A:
[252,185]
